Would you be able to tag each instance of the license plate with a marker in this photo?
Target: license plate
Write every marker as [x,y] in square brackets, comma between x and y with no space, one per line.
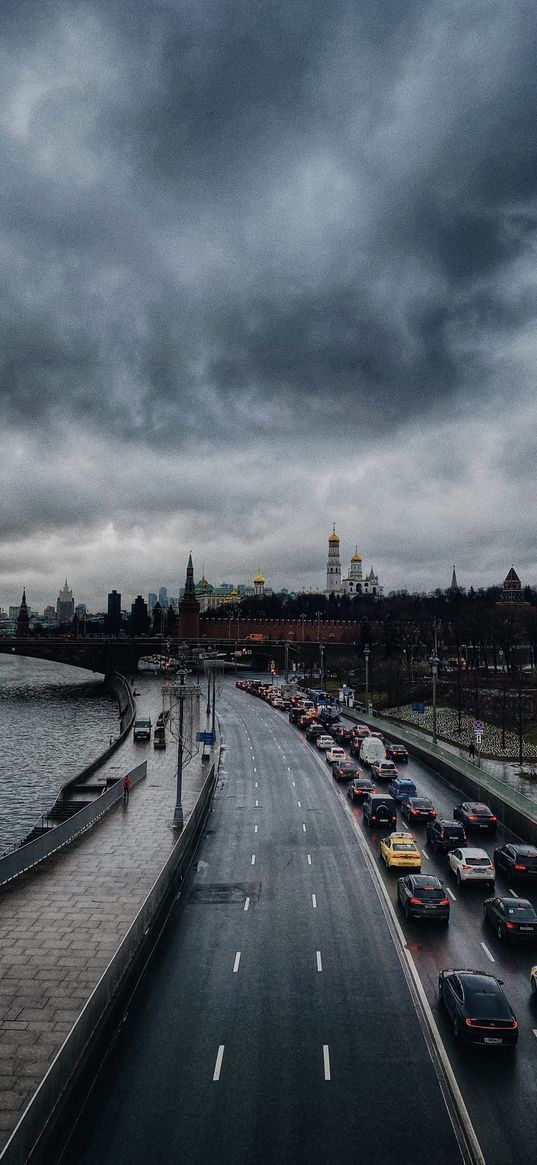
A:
[527,928]
[492,1040]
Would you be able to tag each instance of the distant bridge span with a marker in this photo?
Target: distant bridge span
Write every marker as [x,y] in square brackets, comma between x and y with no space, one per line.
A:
[106,655]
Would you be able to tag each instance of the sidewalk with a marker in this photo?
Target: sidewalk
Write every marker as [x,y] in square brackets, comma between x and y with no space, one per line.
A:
[61,923]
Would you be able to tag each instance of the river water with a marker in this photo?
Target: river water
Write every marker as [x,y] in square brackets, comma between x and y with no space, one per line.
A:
[54,720]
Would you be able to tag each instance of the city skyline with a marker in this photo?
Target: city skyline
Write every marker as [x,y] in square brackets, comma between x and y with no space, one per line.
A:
[266,268]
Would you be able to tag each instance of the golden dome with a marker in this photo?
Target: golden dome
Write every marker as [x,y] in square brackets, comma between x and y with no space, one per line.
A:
[333,537]
[259,579]
[356,557]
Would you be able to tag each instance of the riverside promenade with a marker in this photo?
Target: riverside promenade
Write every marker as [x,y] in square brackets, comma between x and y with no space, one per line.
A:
[61,923]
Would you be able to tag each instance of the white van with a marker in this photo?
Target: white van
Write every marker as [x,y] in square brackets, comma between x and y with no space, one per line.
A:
[371,749]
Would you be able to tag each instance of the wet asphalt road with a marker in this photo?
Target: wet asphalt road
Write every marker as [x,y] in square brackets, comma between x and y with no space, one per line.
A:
[275,1023]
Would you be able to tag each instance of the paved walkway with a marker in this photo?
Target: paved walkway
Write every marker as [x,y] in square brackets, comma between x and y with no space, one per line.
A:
[61,923]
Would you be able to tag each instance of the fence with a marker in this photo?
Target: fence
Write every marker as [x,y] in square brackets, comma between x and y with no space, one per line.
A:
[20,860]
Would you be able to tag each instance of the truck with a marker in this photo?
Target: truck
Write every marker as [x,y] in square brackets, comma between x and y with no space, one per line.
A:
[142,729]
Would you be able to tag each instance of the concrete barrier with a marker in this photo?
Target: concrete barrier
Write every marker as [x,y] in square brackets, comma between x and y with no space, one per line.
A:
[513,809]
[33,1138]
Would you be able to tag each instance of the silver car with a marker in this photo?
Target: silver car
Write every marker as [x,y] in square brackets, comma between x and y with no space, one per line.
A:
[471,865]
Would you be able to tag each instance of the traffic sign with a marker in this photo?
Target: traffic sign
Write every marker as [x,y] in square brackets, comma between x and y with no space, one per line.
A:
[478,725]
[205,737]
[478,738]
[418,707]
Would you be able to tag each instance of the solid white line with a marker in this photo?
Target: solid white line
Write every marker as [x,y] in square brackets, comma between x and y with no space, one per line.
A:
[253,860]
[255,828]
[303,827]
[314,901]
[319,961]
[236,963]
[309,859]
[513,893]
[326,1058]
[451,894]
[246,903]
[487,952]
[218,1065]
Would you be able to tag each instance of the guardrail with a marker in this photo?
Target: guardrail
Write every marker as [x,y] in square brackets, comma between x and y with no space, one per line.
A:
[22,859]
[31,1137]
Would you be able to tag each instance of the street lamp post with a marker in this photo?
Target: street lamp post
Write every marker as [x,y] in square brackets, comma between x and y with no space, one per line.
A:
[321,653]
[367,653]
[178,814]
[434,662]
[318,626]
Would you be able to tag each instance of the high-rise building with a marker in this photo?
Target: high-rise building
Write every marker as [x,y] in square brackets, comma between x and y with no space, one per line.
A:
[152,600]
[113,615]
[65,605]
[163,596]
[139,617]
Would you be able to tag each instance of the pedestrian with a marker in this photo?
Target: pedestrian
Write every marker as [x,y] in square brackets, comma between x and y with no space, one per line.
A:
[471,750]
[126,788]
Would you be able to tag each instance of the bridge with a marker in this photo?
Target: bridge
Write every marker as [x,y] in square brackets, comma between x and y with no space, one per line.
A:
[108,654]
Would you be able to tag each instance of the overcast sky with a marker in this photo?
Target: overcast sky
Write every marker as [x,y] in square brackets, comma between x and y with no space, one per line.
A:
[266,266]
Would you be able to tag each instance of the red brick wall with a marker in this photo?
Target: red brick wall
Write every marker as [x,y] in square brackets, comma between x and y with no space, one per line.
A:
[296,630]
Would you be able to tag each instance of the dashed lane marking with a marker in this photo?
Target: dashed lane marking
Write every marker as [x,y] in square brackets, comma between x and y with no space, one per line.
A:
[304,826]
[299,805]
[218,1065]
[246,903]
[326,1061]
[451,894]
[255,828]
[314,901]
[513,893]
[236,963]
[319,961]
[309,859]
[253,860]
[487,952]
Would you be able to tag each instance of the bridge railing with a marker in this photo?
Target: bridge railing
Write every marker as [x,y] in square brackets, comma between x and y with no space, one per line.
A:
[22,859]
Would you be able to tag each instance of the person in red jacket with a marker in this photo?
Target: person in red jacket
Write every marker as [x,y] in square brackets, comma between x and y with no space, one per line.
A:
[126,788]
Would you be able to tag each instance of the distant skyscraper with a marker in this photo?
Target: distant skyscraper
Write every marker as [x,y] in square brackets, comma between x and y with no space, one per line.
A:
[163,596]
[65,605]
[113,617]
[152,600]
[139,617]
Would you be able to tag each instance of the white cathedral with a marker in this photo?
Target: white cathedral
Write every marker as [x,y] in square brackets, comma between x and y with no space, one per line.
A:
[355,583]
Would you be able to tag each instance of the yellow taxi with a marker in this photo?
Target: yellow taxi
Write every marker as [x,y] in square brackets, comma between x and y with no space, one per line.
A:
[400,849]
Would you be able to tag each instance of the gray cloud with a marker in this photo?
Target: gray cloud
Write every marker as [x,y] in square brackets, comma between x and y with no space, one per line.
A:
[249,250]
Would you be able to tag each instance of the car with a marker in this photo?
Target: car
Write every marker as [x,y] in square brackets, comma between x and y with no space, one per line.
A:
[295,715]
[402,788]
[378,735]
[142,729]
[397,752]
[324,742]
[512,918]
[361,730]
[314,731]
[383,770]
[477,1007]
[380,809]
[443,835]
[400,849]
[359,787]
[417,809]
[423,896]
[475,817]
[471,865]
[516,861]
[334,755]
[533,981]
[345,770]
[342,734]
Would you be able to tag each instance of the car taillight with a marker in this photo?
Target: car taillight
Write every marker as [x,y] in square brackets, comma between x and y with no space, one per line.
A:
[471,817]
[444,902]
[492,817]
[510,925]
[519,867]
[415,812]
[415,902]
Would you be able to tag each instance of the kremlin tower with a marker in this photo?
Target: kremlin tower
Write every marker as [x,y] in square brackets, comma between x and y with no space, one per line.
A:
[333,568]
[189,608]
[23,618]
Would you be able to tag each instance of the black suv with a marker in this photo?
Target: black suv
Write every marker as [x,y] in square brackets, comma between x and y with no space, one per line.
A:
[444,835]
[380,809]
[315,731]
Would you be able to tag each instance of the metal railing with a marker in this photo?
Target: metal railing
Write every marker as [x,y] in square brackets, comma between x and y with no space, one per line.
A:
[22,859]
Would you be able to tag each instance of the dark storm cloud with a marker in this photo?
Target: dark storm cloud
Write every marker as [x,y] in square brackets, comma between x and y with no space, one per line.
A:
[238,226]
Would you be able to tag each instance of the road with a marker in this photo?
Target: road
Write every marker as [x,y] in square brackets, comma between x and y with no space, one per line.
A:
[275,1022]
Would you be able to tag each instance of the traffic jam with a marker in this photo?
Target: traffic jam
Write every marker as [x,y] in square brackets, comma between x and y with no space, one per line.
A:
[440,860]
